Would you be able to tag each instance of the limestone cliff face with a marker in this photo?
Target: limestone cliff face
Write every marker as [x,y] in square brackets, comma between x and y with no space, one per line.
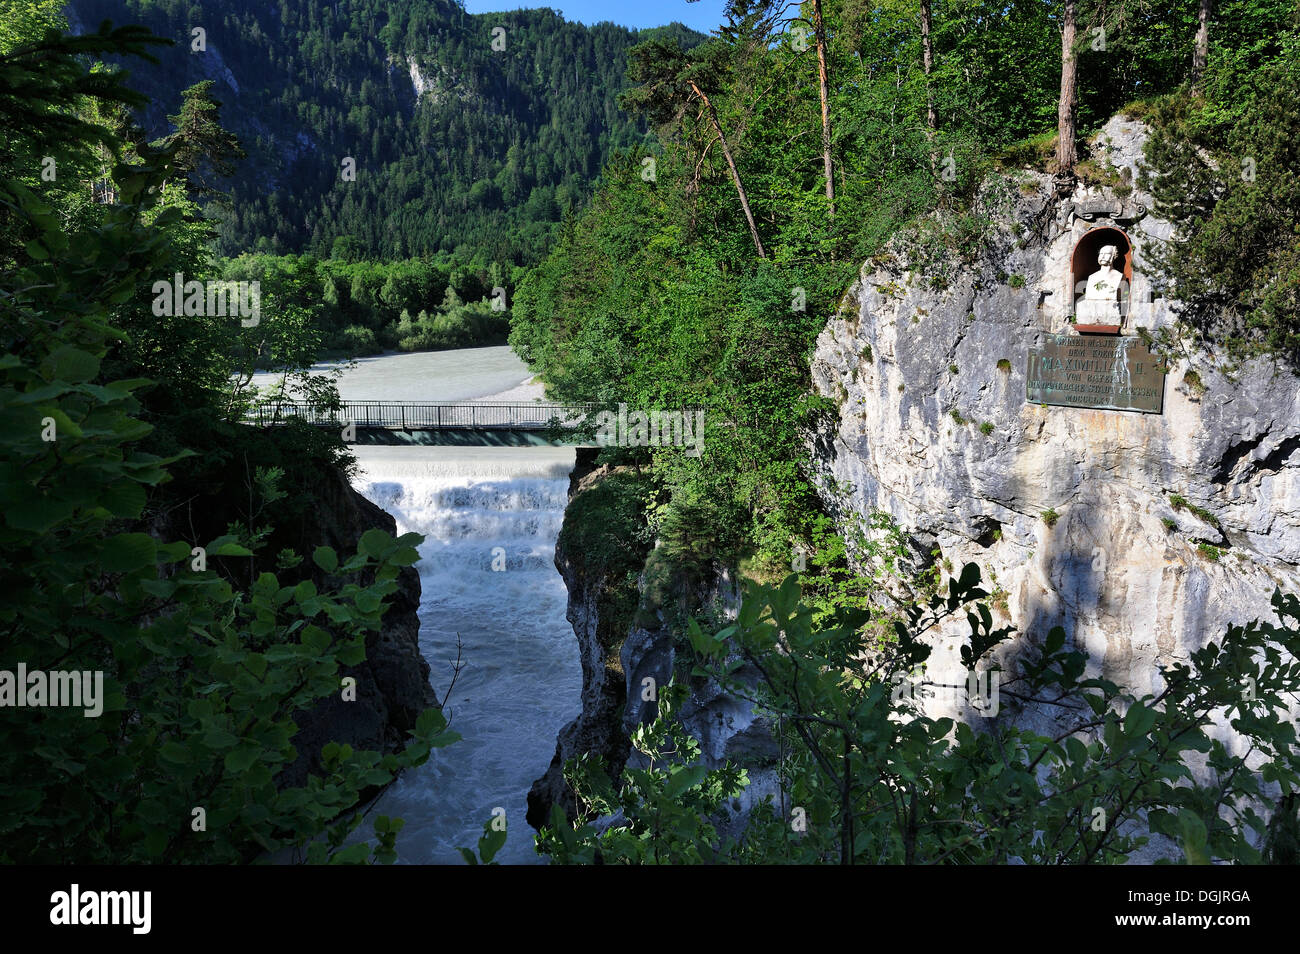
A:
[598,727]
[621,651]
[909,363]
[728,728]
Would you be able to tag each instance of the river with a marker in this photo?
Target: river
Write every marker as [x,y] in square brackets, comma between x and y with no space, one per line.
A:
[490,517]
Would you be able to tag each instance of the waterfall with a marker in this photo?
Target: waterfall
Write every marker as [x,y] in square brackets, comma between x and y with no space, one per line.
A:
[490,518]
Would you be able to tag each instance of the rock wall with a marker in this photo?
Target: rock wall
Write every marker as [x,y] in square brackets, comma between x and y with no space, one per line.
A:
[598,727]
[393,680]
[617,659]
[922,373]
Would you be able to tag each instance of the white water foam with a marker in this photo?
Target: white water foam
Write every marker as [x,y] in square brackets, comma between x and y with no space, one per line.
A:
[522,678]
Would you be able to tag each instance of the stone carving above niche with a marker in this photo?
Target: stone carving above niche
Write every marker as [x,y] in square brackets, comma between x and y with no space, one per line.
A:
[1115,209]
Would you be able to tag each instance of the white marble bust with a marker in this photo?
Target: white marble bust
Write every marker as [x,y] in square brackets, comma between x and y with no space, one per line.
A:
[1105,292]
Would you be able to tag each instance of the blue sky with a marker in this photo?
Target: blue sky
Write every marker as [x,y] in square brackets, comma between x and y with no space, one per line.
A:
[703,15]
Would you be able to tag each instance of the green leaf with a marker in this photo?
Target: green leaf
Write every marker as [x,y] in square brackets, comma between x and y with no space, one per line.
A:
[173,751]
[127,551]
[316,639]
[374,543]
[256,664]
[241,759]
[357,854]
[492,841]
[219,738]
[123,498]
[230,548]
[683,777]
[38,515]
[1139,719]
[326,559]
[71,364]
[1194,837]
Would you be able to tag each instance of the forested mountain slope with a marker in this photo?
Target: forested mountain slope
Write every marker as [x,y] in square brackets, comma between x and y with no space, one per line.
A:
[457,140]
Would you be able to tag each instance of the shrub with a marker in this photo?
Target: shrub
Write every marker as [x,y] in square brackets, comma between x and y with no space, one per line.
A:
[359,340]
[954,794]
[1179,502]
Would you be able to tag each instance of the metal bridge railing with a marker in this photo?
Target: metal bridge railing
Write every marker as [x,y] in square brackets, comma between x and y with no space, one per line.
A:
[407,415]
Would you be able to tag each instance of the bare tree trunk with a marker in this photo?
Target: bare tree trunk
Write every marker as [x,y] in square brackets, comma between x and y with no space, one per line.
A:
[1066,154]
[1201,55]
[731,164]
[823,76]
[927,62]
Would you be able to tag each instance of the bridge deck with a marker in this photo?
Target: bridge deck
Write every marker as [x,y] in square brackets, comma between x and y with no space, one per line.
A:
[411,415]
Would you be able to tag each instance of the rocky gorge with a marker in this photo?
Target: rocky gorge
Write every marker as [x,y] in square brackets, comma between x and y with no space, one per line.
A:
[1144,535]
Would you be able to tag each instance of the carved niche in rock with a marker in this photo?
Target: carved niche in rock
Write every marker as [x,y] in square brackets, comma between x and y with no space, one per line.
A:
[1101,275]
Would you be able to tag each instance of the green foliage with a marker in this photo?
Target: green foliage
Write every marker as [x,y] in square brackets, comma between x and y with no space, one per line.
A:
[1211,553]
[870,778]
[492,841]
[1179,502]
[1224,169]
[986,428]
[356,308]
[605,531]
[1050,516]
[665,803]
[202,679]
[879,549]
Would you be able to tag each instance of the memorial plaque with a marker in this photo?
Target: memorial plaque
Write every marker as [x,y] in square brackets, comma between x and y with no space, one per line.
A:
[1115,374]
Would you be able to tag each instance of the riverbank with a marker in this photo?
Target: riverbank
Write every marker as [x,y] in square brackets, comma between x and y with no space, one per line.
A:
[467,374]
